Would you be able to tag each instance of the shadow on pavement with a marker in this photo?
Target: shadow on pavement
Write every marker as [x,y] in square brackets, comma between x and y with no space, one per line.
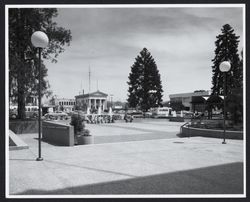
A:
[222,179]
[23,159]
[50,142]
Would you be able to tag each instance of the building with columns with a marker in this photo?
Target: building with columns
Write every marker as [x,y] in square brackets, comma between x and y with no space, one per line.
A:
[92,100]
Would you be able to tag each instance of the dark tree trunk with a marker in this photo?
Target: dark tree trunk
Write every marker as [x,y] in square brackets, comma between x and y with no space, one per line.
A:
[21,104]
[21,97]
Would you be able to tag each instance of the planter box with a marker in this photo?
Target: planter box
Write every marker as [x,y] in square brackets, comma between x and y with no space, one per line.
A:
[58,133]
[81,140]
[191,132]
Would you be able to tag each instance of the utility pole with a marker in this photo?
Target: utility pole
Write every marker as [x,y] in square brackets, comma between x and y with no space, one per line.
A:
[89,78]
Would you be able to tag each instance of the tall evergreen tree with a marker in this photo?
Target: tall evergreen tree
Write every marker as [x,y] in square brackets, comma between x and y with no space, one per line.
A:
[240,78]
[226,50]
[145,89]
[23,58]
[234,101]
[135,83]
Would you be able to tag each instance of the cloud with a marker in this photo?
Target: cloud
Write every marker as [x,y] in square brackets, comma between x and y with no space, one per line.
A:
[181,41]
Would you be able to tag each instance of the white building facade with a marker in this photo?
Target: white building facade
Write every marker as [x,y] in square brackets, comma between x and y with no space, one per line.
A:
[64,104]
[92,101]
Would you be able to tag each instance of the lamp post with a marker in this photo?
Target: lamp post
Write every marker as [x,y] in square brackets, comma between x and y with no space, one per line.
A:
[39,40]
[224,67]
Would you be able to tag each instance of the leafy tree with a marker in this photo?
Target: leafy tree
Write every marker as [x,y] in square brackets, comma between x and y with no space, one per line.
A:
[61,108]
[226,50]
[166,104]
[23,58]
[213,102]
[145,89]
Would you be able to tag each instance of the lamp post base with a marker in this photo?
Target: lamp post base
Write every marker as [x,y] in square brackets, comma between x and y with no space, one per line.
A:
[224,142]
[39,159]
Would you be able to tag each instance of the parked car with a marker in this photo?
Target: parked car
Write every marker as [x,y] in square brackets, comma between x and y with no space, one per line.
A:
[56,116]
[135,113]
[188,114]
[148,114]
[162,112]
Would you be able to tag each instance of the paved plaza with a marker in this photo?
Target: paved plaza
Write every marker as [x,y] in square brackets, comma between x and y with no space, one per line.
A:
[143,157]
[140,129]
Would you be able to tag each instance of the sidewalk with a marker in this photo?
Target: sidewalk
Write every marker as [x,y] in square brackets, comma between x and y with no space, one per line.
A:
[164,166]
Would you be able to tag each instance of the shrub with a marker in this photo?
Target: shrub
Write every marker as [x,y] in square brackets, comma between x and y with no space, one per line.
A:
[79,127]
[77,122]
[86,132]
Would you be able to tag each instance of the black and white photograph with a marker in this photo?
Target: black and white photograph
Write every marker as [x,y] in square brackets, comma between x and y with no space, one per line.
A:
[125,100]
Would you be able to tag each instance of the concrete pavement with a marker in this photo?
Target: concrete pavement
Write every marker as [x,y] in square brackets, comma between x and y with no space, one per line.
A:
[161,166]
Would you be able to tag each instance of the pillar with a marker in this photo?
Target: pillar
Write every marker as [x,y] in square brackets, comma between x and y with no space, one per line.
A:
[105,104]
[89,101]
[100,104]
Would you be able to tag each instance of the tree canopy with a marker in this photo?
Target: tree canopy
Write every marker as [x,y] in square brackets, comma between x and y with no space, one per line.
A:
[23,57]
[226,50]
[145,89]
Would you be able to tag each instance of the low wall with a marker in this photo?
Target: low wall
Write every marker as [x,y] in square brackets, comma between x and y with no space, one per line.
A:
[190,132]
[23,126]
[176,119]
[15,142]
[58,133]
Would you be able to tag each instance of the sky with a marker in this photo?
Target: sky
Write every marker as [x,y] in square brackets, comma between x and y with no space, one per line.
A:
[107,41]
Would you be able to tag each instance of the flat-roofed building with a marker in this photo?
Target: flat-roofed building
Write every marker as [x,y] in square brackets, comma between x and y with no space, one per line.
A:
[189,99]
[64,104]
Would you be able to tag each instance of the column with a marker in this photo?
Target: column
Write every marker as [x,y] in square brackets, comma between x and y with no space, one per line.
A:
[89,100]
[100,104]
[105,104]
[96,100]
[95,103]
